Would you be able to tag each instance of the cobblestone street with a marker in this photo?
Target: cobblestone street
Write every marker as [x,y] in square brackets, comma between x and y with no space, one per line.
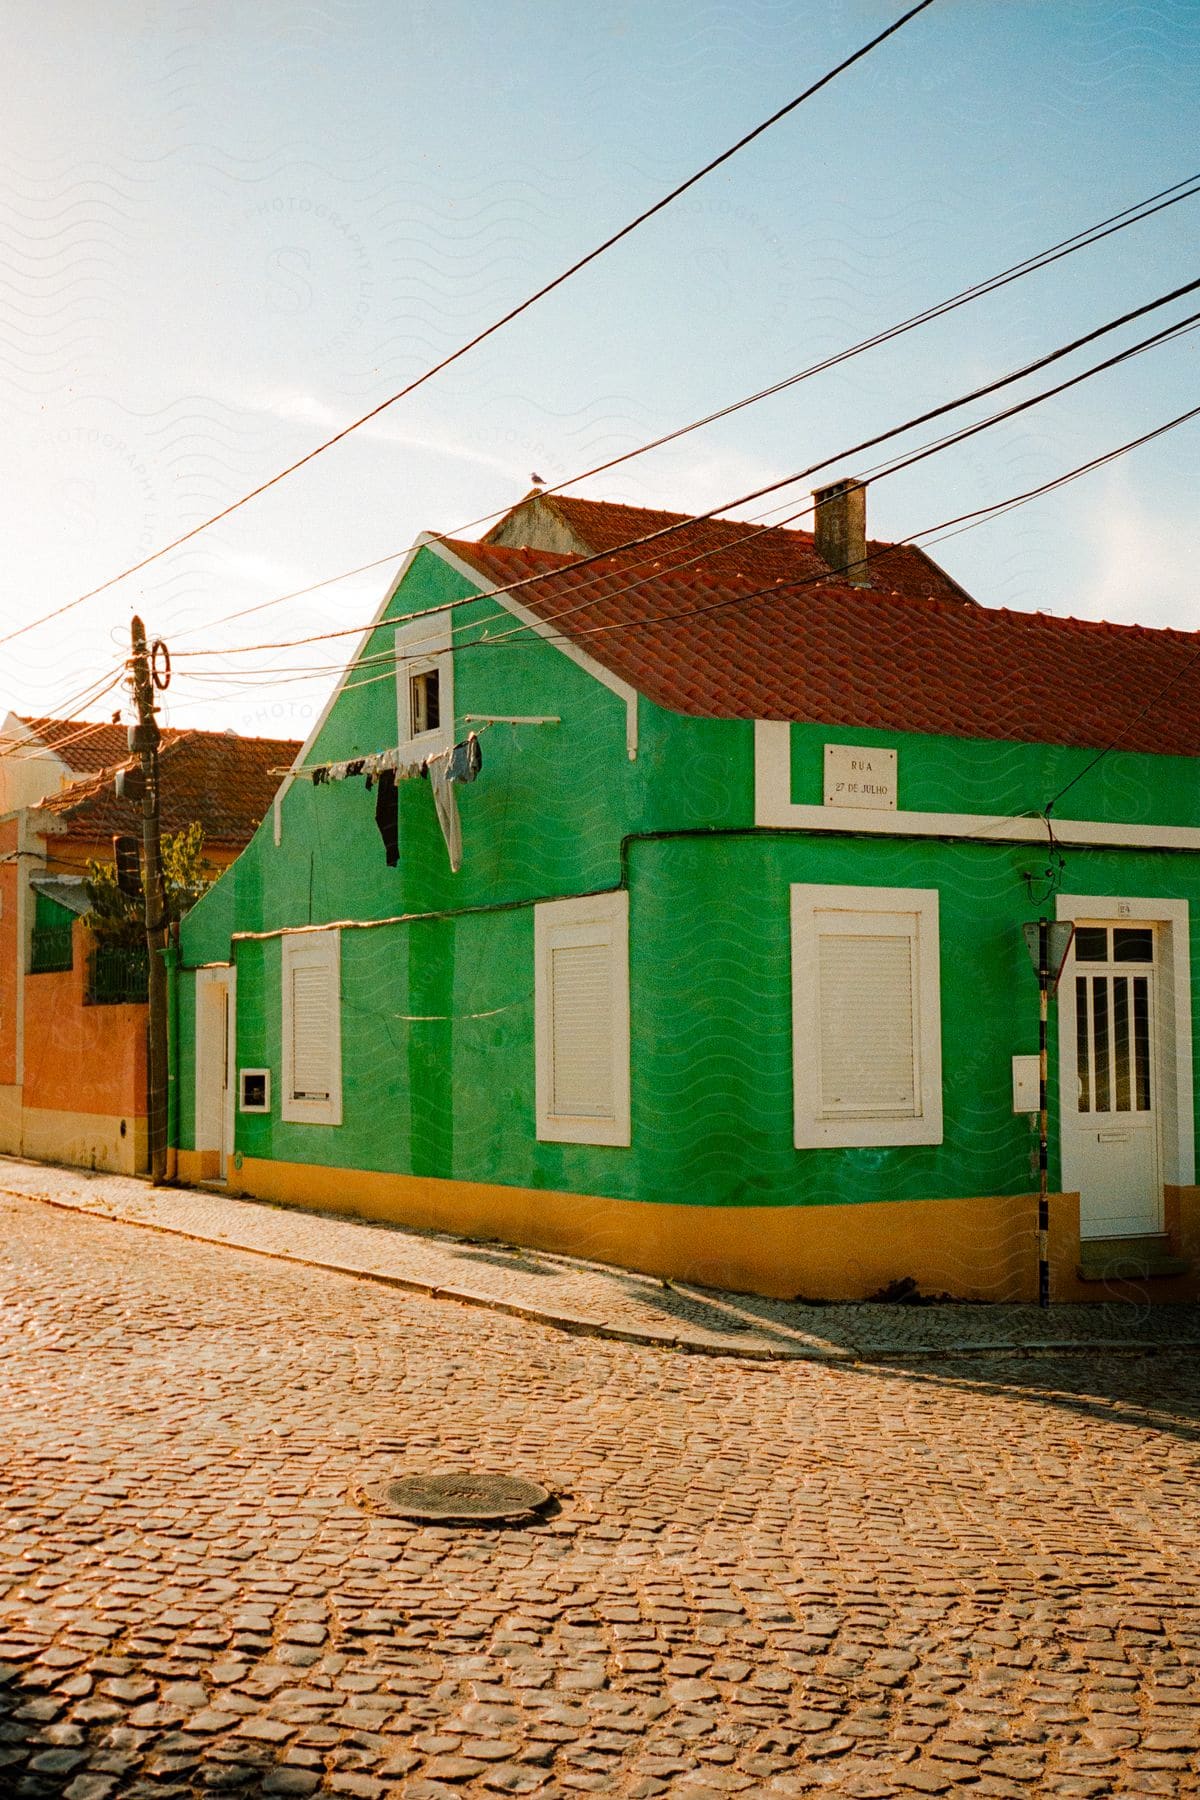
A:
[772,1579]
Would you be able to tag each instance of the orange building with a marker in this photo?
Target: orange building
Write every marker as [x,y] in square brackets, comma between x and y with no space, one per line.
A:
[72,1014]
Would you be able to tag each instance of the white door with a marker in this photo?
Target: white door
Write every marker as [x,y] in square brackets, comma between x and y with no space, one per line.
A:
[214,1064]
[1111,1105]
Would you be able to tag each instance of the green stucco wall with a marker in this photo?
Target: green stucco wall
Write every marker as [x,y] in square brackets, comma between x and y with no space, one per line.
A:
[437,1012]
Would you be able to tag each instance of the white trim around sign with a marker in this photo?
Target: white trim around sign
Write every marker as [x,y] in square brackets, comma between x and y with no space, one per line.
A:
[774,808]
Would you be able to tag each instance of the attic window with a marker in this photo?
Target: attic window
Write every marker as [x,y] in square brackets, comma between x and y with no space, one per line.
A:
[424,703]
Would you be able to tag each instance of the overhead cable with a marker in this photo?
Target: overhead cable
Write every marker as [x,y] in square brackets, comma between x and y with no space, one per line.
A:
[514,312]
[663,532]
[1120,221]
[965,521]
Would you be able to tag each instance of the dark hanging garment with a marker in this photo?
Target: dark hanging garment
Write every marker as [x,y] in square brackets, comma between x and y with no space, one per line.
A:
[387,816]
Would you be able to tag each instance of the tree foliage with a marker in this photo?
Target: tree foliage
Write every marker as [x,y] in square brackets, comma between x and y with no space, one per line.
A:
[118,918]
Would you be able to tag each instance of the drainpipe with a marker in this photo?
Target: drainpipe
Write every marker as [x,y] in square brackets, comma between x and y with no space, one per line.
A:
[170,957]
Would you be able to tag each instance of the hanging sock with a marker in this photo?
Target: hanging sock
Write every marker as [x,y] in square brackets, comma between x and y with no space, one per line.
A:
[466,759]
[387,816]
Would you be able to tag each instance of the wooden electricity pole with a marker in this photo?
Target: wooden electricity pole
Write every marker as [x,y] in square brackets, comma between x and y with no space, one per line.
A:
[144,739]
[1043,1223]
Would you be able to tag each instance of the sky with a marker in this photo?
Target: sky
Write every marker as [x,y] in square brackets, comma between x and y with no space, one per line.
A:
[226,230]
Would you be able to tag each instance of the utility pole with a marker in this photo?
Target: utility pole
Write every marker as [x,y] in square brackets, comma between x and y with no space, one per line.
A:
[1048,942]
[144,739]
[1043,1224]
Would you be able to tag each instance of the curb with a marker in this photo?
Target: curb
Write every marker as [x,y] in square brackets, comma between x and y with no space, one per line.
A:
[579,1325]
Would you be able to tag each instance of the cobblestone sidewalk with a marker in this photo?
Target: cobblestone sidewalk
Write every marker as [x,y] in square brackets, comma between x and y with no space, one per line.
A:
[593,1299]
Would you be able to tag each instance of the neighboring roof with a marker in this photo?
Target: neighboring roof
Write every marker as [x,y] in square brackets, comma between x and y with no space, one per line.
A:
[85,745]
[67,891]
[729,546]
[700,641]
[216,778]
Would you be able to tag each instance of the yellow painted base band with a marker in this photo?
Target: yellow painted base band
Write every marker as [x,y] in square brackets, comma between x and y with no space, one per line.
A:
[11,1103]
[84,1140]
[198,1165]
[970,1249]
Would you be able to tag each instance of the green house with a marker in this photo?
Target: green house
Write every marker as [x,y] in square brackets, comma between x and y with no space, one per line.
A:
[662,901]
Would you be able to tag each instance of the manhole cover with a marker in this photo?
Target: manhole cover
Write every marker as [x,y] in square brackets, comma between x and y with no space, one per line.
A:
[459,1494]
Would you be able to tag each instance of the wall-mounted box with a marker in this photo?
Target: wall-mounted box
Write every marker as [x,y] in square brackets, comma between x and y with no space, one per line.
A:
[254,1091]
[1026,1083]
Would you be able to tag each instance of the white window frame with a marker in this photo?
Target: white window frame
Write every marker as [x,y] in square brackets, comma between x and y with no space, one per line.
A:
[591,919]
[311,946]
[423,645]
[814,1129]
[250,1106]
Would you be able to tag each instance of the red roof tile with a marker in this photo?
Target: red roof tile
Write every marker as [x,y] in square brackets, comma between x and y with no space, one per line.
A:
[82,744]
[702,641]
[215,777]
[733,546]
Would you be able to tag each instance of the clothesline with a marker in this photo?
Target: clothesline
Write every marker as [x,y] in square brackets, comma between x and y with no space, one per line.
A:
[382,769]
[373,764]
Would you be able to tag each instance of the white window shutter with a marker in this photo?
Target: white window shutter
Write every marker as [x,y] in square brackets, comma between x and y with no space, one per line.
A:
[581,1030]
[312,1035]
[581,982]
[312,1032]
[866,1016]
[866,1021]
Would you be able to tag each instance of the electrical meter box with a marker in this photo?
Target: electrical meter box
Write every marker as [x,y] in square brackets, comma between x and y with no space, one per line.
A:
[1026,1083]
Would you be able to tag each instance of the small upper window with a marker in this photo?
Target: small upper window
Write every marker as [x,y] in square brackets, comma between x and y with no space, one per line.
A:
[424,703]
[425,684]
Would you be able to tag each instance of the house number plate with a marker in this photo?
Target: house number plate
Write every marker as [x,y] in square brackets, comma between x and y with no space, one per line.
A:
[855,776]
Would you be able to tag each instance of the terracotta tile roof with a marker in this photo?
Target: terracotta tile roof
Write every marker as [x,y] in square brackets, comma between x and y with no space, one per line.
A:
[83,744]
[735,545]
[212,776]
[849,656]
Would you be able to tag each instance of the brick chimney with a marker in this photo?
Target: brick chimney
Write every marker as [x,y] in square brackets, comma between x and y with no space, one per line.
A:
[840,528]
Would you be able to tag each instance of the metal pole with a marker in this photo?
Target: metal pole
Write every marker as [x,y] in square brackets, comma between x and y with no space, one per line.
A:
[146,743]
[1043,1121]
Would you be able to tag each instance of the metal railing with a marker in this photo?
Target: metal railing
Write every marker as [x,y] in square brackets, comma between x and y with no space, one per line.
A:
[117,976]
[50,951]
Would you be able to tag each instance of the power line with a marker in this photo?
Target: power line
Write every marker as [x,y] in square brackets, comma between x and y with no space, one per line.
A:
[1115,222]
[24,750]
[655,537]
[514,312]
[977,515]
[908,460]
[947,527]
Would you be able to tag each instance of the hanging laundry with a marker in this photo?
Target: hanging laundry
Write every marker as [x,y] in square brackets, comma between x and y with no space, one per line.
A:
[387,816]
[466,759]
[384,768]
[446,804]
